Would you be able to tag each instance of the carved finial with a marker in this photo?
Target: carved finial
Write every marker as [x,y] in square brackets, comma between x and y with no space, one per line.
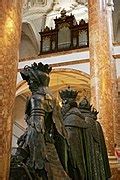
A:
[63,13]
[46,29]
[82,21]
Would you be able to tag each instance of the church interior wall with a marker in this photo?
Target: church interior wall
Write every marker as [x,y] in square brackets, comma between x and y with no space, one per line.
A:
[27,47]
[84,67]
[118,67]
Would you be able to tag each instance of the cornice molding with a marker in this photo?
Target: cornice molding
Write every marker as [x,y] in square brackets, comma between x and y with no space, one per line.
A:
[116,56]
[53,54]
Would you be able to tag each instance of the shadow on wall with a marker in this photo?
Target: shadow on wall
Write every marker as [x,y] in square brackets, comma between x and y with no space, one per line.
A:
[28,46]
[117,37]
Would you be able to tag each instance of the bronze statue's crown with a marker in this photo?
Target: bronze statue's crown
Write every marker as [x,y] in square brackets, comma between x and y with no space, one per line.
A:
[63,12]
[68,94]
[94,111]
[41,67]
[39,71]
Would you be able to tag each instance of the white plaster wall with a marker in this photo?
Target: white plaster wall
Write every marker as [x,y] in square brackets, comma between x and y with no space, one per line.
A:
[118,67]
[14,141]
[57,59]
[19,110]
[84,67]
[17,132]
[18,116]
[116,50]
[27,48]
[18,78]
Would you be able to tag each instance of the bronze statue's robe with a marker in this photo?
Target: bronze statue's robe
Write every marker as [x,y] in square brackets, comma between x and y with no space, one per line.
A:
[97,163]
[45,127]
[75,125]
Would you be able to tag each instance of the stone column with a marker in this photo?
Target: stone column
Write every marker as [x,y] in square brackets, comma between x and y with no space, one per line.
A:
[101,71]
[10,28]
[110,8]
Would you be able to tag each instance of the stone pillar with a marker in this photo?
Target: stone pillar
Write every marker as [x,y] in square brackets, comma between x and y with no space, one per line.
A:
[10,28]
[110,8]
[101,71]
[117,123]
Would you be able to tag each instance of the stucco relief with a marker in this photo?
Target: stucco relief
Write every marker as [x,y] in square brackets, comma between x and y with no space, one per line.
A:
[78,8]
[31,3]
[82,1]
[32,7]
[67,4]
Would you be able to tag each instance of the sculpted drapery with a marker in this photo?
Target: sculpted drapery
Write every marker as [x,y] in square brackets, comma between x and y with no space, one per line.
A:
[87,154]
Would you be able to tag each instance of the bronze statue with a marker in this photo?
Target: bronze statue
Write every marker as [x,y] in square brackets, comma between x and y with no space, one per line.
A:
[46,155]
[97,163]
[75,125]
[56,147]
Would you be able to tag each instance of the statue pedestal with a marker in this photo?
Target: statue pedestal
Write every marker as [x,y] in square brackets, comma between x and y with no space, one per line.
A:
[115,168]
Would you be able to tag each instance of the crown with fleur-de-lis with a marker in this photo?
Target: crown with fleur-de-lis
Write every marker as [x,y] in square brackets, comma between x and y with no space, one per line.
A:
[68,93]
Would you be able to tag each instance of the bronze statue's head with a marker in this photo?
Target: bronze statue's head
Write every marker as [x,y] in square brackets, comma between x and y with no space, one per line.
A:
[68,96]
[85,105]
[36,75]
